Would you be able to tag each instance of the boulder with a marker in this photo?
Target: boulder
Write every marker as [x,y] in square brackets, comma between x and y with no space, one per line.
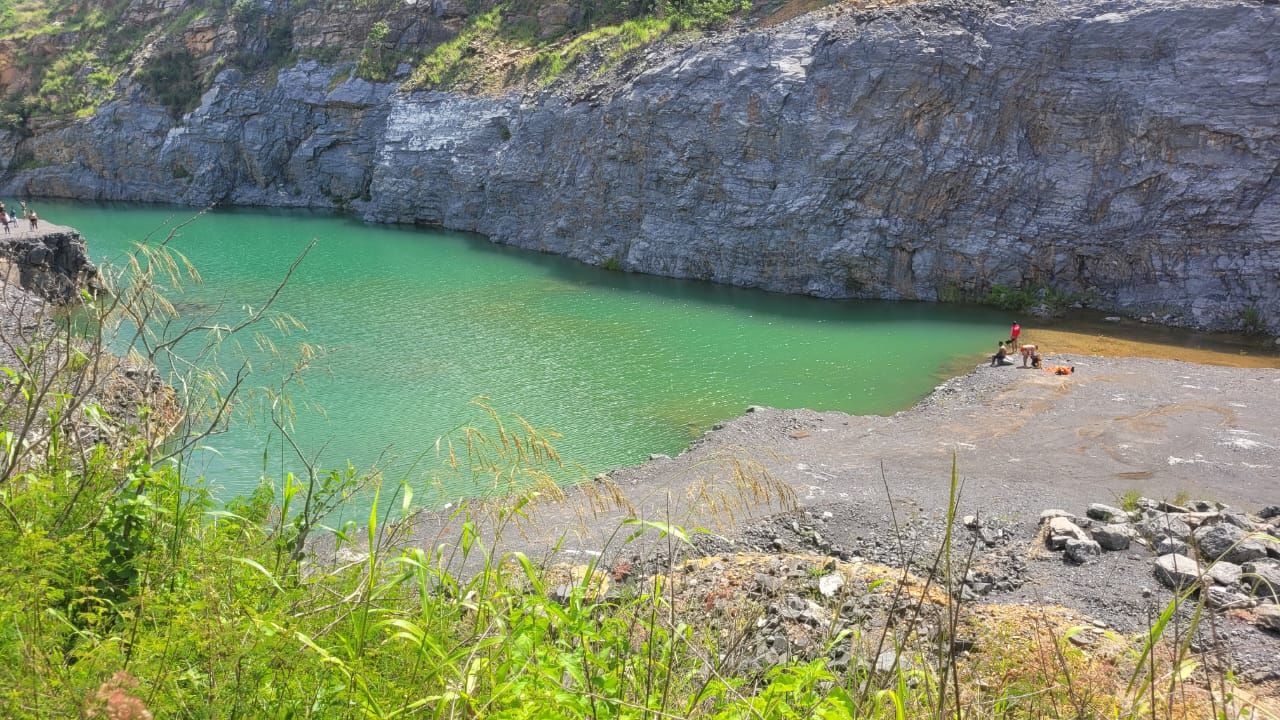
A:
[1171,546]
[1225,573]
[1271,544]
[1163,525]
[1267,617]
[829,585]
[1106,513]
[1061,530]
[1270,511]
[1239,521]
[1048,515]
[1082,552]
[1264,577]
[1177,571]
[1198,519]
[1221,598]
[554,18]
[1113,537]
[1227,542]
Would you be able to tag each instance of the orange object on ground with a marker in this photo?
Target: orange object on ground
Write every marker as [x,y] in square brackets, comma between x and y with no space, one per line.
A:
[1060,369]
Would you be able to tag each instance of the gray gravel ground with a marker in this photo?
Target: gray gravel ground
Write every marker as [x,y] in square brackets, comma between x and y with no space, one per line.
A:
[1023,441]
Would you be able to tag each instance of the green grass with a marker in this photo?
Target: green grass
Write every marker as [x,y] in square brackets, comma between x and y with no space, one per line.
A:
[613,41]
[444,63]
[614,31]
[1129,500]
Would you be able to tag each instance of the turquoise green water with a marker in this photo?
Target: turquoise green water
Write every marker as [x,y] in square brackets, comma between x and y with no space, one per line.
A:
[418,323]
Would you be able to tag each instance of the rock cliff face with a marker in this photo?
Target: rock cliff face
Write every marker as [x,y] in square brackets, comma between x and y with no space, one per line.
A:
[51,263]
[1127,151]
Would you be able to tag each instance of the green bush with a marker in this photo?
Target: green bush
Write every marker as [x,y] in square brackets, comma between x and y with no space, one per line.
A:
[1251,322]
[173,78]
[377,62]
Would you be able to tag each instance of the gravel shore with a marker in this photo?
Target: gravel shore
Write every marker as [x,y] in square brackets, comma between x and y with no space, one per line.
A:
[876,488]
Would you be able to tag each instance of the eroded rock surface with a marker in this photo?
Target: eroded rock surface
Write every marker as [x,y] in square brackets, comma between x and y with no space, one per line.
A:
[1124,151]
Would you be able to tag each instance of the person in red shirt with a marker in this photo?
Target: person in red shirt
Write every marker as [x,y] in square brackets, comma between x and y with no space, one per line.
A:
[1014,331]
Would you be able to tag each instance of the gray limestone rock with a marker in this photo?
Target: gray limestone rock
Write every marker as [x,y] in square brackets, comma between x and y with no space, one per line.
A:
[1082,552]
[1227,542]
[1062,531]
[1222,598]
[1118,148]
[1164,525]
[1264,577]
[1177,571]
[1225,573]
[1048,515]
[52,263]
[1268,617]
[829,585]
[1113,537]
[1106,513]
[1171,546]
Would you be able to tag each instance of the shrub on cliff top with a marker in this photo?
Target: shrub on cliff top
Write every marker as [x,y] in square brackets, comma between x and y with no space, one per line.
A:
[173,78]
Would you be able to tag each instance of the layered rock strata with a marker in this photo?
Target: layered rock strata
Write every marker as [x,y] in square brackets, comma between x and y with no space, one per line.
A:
[1125,153]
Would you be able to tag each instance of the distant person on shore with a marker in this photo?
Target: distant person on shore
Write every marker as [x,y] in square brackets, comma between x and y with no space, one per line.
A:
[4,220]
[1001,357]
[1027,351]
[13,217]
[1036,362]
[1015,330]
[35,219]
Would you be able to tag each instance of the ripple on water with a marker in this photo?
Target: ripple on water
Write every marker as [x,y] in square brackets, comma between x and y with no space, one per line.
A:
[417,323]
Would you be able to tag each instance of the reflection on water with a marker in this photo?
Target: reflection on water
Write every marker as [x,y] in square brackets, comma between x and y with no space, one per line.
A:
[416,324]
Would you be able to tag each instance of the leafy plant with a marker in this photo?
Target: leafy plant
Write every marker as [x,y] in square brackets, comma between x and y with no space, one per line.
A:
[1129,500]
[172,77]
[1251,321]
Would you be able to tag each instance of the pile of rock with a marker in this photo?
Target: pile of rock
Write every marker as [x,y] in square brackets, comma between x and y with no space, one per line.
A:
[1083,539]
[1231,558]
[1001,569]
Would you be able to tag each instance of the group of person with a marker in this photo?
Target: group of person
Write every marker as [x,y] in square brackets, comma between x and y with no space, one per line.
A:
[9,217]
[1030,353]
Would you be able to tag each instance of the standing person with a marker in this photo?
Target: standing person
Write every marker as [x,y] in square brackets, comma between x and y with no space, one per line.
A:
[35,219]
[1014,331]
[4,220]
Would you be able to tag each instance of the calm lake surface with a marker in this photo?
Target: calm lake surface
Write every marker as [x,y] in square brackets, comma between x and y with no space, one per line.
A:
[416,324]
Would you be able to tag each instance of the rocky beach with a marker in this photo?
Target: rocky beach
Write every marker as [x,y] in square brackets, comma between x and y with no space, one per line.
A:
[1033,451]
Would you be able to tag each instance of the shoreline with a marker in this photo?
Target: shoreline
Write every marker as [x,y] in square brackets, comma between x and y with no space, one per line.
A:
[1135,423]
[875,489]
[1072,321]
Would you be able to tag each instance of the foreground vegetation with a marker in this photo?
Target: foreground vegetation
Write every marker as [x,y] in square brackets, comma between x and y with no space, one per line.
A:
[126,591]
